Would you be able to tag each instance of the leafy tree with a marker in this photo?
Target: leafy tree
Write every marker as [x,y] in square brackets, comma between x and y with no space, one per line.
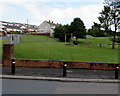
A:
[78,29]
[105,19]
[113,3]
[115,21]
[60,32]
[115,16]
[96,31]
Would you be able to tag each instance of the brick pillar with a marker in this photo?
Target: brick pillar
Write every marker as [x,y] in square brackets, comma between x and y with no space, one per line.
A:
[8,53]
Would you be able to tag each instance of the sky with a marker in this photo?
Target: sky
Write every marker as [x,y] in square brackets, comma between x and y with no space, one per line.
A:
[58,11]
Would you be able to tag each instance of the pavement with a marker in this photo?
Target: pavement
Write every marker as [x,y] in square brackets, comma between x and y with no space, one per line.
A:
[56,74]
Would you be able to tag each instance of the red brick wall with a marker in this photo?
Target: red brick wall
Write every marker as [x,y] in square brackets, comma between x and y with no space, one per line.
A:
[38,63]
[59,64]
[51,64]
[8,54]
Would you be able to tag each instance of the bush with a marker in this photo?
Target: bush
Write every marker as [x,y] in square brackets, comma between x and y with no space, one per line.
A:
[75,43]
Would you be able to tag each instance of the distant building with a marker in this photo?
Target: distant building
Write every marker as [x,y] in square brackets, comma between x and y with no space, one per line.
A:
[13,26]
[47,27]
[1,26]
[1,29]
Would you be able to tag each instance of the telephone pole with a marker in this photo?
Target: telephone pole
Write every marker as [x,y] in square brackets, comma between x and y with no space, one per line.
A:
[27,26]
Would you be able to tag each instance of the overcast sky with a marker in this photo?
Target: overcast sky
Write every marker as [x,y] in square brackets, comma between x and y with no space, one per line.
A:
[59,11]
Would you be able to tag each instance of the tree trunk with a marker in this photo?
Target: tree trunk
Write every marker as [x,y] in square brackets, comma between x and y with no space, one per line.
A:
[113,45]
[76,39]
[114,35]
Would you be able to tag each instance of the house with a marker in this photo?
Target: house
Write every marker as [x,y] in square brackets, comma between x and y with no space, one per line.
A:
[8,26]
[13,27]
[1,26]
[1,29]
[47,27]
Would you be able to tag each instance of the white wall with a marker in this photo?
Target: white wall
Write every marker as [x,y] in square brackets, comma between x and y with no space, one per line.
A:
[45,28]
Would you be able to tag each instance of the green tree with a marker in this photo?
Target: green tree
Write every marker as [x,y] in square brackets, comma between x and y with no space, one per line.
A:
[113,3]
[115,17]
[60,32]
[77,28]
[105,19]
[96,31]
[115,14]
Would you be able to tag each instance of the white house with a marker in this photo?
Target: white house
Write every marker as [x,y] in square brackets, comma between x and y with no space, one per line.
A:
[1,30]
[13,26]
[47,27]
[1,26]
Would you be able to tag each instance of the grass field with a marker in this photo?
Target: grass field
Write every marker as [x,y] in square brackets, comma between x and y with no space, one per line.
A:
[46,48]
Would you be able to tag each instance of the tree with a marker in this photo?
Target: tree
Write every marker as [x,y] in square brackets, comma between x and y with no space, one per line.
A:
[60,32]
[77,28]
[113,3]
[105,19]
[115,21]
[115,17]
[96,31]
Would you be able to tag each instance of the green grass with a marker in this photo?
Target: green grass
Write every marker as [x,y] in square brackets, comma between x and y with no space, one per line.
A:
[95,41]
[45,48]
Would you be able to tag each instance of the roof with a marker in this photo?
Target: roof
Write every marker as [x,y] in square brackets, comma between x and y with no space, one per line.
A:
[1,26]
[51,23]
[12,27]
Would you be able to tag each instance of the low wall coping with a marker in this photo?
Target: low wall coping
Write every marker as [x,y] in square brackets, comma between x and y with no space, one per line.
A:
[65,61]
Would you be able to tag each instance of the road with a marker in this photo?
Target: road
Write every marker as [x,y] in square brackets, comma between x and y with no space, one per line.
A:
[14,86]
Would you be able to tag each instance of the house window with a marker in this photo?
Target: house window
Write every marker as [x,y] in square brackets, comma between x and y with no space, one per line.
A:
[52,26]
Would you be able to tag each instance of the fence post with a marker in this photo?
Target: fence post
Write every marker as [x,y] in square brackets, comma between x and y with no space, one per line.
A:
[116,72]
[13,66]
[64,69]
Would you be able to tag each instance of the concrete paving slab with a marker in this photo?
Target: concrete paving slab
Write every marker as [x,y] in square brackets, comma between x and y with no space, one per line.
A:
[59,79]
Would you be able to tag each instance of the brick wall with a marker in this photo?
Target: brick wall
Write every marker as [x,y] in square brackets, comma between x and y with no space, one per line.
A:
[37,63]
[50,64]
[8,54]
[59,64]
